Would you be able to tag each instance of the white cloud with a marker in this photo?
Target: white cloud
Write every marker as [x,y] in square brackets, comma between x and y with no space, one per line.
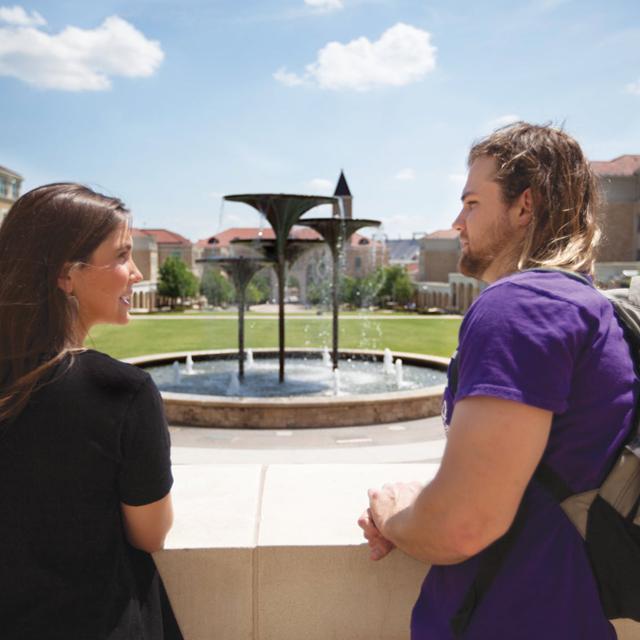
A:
[634,88]
[78,59]
[402,55]
[19,17]
[288,79]
[503,121]
[325,5]
[406,174]
[321,185]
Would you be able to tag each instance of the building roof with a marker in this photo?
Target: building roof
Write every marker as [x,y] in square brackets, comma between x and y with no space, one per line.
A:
[164,236]
[10,172]
[298,232]
[342,188]
[138,233]
[358,240]
[403,250]
[626,165]
[227,236]
[442,233]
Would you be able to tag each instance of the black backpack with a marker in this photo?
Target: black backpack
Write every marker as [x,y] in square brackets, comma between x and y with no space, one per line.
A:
[608,518]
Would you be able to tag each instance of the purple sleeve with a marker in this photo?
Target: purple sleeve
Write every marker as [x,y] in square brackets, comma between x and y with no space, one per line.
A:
[517,344]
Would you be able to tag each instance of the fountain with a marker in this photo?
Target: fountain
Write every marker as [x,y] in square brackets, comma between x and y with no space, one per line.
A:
[317,394]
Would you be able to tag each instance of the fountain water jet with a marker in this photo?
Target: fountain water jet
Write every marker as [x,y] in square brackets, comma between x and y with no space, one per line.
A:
[336,232]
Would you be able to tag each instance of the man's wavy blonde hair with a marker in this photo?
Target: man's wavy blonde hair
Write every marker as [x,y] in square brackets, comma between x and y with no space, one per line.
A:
[564,231]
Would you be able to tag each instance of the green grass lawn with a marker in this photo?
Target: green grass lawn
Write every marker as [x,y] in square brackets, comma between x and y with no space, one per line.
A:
[420,335]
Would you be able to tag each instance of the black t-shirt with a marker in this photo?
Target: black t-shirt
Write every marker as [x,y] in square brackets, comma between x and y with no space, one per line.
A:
[94,436]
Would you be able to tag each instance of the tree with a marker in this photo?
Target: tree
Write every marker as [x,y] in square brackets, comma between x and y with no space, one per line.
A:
[176,281]
[262,284]
[397,286]
[216,288]
[293,282]
[319,293]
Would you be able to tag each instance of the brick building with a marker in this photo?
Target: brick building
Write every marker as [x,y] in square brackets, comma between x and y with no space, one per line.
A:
[620,211]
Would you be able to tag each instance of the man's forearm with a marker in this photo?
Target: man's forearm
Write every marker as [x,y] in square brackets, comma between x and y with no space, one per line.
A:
[425,532]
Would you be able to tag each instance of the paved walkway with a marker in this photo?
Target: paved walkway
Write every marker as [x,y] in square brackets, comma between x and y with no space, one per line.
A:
[298,316]
[413,441]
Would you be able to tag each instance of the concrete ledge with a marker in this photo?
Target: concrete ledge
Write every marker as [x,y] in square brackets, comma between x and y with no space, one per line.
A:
[299,412]
[274,553]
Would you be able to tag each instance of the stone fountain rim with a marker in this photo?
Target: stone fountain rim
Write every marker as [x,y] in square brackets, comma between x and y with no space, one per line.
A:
[434,391]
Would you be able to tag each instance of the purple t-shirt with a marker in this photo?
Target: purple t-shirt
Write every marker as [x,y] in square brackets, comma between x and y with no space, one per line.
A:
[548,341]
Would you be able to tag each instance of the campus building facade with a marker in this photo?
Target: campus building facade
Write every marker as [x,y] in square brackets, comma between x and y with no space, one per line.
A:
[10,186]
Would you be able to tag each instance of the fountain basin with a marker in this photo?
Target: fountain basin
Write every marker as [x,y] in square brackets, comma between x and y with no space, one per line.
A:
[290,412]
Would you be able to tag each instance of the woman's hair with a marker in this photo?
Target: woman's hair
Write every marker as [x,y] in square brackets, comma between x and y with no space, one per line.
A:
[564,229]
[46,231]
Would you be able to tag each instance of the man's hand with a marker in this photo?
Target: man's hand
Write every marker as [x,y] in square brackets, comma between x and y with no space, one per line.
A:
[379,545]
[383,505]
[391,499]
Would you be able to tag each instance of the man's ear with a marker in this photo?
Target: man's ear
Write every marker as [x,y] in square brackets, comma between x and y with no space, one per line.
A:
[525,208]
[64,280]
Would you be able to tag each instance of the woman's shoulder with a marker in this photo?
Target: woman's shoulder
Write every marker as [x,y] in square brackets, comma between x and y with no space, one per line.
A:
[105,370]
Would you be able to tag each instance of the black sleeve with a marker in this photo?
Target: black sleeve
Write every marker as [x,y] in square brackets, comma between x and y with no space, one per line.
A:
[145,469]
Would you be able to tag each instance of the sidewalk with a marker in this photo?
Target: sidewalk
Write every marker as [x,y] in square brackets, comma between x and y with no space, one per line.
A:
[414,441]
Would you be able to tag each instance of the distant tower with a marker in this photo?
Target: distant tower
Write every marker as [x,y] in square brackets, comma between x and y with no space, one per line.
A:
[342,192]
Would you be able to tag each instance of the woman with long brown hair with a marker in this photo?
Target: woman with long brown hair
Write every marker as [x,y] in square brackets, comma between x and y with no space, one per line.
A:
[85,473]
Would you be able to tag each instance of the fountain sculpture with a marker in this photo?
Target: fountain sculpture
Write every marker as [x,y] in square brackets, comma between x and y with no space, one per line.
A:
[282,211]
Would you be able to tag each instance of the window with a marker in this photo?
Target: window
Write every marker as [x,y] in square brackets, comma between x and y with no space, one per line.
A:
[358,264]
[363,241]
[3,186]
[14,189]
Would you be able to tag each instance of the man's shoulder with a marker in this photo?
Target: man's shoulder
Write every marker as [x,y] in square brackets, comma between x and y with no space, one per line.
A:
[536,287]
[528,302]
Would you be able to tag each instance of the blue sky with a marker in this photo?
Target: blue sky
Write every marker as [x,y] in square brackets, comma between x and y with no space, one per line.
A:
[171,103]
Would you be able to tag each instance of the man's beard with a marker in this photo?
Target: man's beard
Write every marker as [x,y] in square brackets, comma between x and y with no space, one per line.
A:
[476,263]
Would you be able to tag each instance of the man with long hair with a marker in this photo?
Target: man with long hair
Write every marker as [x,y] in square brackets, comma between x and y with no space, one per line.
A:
[542,374]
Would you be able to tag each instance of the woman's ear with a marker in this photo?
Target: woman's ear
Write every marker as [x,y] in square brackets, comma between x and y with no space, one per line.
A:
[64,280]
